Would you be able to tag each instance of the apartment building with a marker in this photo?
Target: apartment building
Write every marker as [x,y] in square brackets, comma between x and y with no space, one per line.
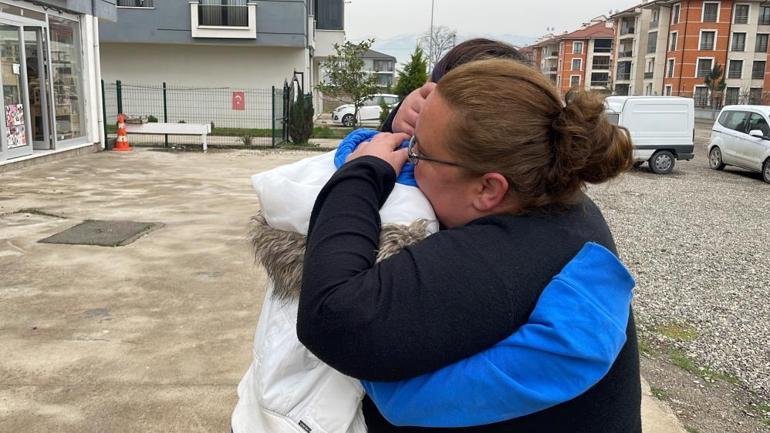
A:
[50,81]
[579,59]
[382,65]
[221,43]
[667,47]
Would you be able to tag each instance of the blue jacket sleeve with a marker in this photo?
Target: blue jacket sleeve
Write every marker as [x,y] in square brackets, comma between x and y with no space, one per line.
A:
[571,340]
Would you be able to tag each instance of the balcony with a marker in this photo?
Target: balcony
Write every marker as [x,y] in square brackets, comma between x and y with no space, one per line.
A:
[648,75]
[601,66]
[623,76]
[551,70]
[622,54]
[222,21]
[627,31]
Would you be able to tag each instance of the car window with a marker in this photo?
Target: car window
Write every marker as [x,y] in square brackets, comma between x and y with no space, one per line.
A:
[614,118]
[368,102]
[391,100]
[737,120]
[757,121]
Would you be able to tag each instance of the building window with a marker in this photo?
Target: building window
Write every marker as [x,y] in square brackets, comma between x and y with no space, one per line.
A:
[758,70]
[603,46]
[764,16]
[704,67]
[741,14]
[668,90]
[735,70]
[577,48]
[383,66]
[622,89]
[674,35]
[755,96]
[226,13]
[624,71]
[576,64]
[707,40]
[136,3]
[385,80]
[701,97]
[710,12]
[761,46]
[739,42]
[670,68]
[600,79]
[574,81]
[601,62]
[675,13]
[732,95]
[652,42]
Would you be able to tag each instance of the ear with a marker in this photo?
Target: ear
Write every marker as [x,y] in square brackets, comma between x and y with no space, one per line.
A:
[491,192]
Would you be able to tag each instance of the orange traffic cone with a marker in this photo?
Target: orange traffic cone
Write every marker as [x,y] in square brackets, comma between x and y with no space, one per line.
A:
[121,145]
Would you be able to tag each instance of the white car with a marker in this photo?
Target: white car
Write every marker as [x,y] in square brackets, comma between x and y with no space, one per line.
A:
[741,137]
[368,113]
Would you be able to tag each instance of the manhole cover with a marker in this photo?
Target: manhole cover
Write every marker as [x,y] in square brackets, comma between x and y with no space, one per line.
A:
[103,233]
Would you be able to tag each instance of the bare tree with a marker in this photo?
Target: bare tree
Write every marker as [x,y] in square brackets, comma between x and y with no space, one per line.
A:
[437,44]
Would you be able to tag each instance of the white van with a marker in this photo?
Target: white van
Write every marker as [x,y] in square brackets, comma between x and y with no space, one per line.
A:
[662,128]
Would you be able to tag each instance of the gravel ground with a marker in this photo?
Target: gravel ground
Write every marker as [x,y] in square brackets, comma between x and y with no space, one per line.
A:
[698,242]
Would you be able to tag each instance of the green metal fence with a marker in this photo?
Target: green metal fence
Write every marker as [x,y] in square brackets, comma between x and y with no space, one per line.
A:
[238,116]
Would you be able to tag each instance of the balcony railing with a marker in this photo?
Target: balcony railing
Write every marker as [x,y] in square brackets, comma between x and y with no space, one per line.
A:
[223,15]
[627,31]
[648,75]
[599,83]
[623,76]
[602,66]
[135,3]
[764,20]
[628,53]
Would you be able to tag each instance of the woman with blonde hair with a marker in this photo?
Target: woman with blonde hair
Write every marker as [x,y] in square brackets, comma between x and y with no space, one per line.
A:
[503,162]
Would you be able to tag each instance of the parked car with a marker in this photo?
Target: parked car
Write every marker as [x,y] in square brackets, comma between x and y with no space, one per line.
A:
[662,128]
[741,137]
[368,113]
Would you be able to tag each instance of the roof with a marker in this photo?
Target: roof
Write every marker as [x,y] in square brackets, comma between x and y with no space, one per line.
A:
[594,31]
[629,11]
[371,54]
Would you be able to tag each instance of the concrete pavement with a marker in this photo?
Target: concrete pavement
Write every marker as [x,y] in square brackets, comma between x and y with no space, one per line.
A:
[150,337]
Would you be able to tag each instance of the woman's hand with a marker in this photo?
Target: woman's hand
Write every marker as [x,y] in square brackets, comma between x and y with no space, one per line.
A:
[384,146]
[407,114]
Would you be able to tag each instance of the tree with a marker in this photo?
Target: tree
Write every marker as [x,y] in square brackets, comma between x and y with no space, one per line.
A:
[301,119]
[715,81]
[414,74]
[345,75]
[443,39]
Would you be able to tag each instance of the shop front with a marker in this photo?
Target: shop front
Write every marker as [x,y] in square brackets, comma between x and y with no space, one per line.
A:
[49,75]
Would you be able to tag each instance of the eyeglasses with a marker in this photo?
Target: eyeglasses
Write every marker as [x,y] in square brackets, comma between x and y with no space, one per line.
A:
[415,157]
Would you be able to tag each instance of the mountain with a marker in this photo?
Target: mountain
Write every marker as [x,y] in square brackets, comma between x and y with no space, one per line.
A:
[401,46]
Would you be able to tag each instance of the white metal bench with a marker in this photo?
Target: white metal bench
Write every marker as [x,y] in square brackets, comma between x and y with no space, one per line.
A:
[202,129]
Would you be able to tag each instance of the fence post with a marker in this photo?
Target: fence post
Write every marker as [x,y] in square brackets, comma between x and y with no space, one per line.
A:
[272,95]
[104,119]
[165,113]
[119,93]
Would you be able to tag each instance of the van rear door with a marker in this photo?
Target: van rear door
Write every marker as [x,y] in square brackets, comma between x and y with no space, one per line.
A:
[660,123]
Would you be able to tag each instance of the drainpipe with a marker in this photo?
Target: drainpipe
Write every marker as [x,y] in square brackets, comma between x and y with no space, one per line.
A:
[98,77]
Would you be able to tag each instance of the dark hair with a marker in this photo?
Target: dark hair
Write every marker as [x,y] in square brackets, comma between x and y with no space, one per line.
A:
[508,118]
[474,49]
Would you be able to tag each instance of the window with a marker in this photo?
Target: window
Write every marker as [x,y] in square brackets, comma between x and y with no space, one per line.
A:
[675,13]
[674,36]
[67,72]
[670,68]
[603,46]
[735,120]
[574,81]
[624,71]
[701,96]
[135,3]
[757,121]
[755,96]
[601,62]
[707,40]
[577,64]
[758,70]
[667,92]
[384,80]
[229,13]
[383,66]
[761,46]
[739,42]
[741,14]
[710,12]
[735,70]
[652,42]
[577,48]
[764,16]
[732,95]
[704,67]
[600,79]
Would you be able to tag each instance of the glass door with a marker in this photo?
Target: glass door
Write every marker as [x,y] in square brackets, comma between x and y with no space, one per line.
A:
[15,133]
[37,78]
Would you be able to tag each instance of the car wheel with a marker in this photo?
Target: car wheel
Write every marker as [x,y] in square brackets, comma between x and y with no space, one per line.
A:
[715,159]
[662,162]
[766,171]
[347,120]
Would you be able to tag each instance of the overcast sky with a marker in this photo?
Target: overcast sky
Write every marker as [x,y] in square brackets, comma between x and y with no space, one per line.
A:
[388,18]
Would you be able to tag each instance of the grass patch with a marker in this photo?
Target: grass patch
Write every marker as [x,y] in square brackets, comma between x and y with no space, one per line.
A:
[681,360]
[678,331]
[645,347]
[659,393]
[242,132]
[691,429]
[326,132]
